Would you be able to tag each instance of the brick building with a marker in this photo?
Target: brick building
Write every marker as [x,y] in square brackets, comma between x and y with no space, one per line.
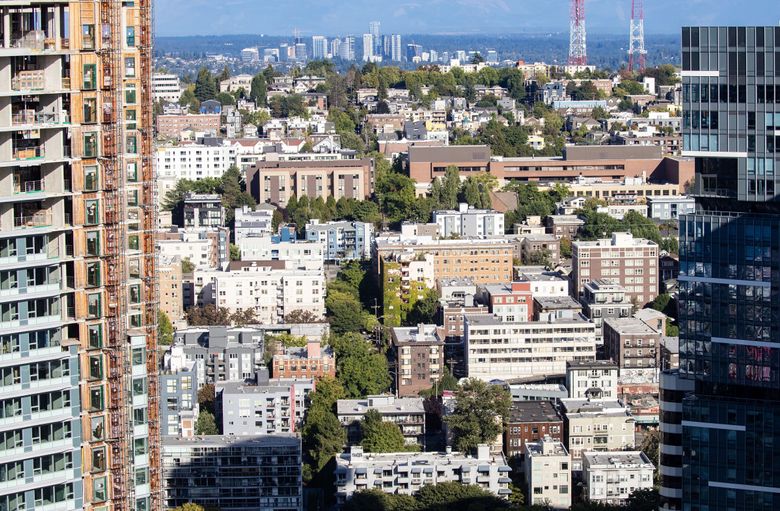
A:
[530,421]
[419,358]
[632,343]
[309,362]
[172,125]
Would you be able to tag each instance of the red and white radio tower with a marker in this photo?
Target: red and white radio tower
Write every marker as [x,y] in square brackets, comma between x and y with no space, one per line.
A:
[578,48]
[636,45]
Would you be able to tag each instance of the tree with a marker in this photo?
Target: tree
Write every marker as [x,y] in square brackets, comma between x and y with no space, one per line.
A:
[164,329]
[206,424]
[645,499]
[225,98]
[360,369]
[477,59]
[259,89]
[187,266]
[233,193]
[205,87]
[207,315]
[302,316]
[395,193]
[207,397]
[190,506]
[380,436]
[345,312]
[235,252]
[425,310]
[450,186]
[322,434]
[377,500]
[479,409]
[453,496]
[566,247]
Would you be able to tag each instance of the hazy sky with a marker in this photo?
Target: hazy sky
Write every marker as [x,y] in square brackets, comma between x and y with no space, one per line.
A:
[329,17]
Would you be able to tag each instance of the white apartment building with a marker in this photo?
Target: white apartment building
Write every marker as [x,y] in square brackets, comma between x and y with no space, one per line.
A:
[596,426]
[166,87]
[597,379]
[611,477]
[547,474]
[469,222]
[506,351]
[406,412]
[255,222]
[272,406]
[192,245]
[405,473]
[194,161]
[299,254]
[272,288]
[546,284]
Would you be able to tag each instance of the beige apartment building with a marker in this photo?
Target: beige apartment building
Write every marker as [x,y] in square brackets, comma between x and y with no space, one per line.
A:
[171,297]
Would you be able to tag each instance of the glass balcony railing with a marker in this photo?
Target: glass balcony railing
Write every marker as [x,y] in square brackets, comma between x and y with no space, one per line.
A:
[31,186]
[40,219]
[31,117]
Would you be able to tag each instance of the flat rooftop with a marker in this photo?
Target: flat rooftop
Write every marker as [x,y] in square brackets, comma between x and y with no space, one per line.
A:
[558,303]
[533,411]
[546,447]
[593,364]
[491,320]
[630,326]
[386,405]
[276,440]
[575,408]
[618,459]
[273,385]
[541,277]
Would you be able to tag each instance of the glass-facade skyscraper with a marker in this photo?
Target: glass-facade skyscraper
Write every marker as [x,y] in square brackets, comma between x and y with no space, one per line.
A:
[729,295]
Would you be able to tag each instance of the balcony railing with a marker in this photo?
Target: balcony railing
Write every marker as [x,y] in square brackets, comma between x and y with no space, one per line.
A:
[32,186]
[29,153]
[32,79]
[33,39]
[40,219]
[32,117]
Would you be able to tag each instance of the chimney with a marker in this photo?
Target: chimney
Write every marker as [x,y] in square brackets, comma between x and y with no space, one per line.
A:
[463,207]
[313,349]
[483,452]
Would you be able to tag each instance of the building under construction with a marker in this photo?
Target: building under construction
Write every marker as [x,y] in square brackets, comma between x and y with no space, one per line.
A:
[79,425]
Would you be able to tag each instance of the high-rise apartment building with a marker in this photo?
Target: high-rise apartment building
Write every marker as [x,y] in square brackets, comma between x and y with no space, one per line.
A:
[319,47]
[78,306]
[728,297]
[346,48]
[396,51]
[368,47]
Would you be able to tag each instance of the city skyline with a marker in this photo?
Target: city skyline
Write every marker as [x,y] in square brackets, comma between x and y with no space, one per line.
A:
[177,18]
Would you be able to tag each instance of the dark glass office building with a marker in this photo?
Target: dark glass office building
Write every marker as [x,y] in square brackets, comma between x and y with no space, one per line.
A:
[729,298]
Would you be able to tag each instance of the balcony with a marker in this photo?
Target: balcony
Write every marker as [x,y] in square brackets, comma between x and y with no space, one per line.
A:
[31,186]
[29,80]
[29,153]
[33,40]
[37,118]
[39,219]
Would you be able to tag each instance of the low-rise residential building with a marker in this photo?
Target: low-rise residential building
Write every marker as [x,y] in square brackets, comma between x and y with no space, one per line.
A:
[166,87]
[564,226]
[224,353]
[419,358]
[405,473]
[611,477]
[276,182]
[547,469]
[178,400]
[262,472]
[343,241]
[554,308]
[203,210]
[670,207]
[601,425]
[538,392]
[271,406]
[604,299]
[407,412]
[530,421]
[204,248]
[297,254]
[312,361]
[253,222]
[170,126]
[469,222]
[632,343]
[495,349]
[510,302]
[632,262]
[541,249]
[597,379]
[545,283]
[272,289]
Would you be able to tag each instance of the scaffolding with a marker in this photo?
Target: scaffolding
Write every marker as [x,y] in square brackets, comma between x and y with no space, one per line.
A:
[114,194]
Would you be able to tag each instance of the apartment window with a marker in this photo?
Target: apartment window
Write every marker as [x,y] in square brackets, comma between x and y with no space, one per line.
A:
[131,144]
[139,356]
[96,402]
[130,67]
[90,145]
[93,274]
[99,459]
[140,446]
[135,293]
[93,243]
[90,178]
[87,37]
[93,305]
[89,76]
[89,108]
[130,36]
[141,476]
[96,367]
[139,416]
[95,334]
[130,96]
[99,490]
[130,118]
[53,494]
[91,212]
[139,386]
